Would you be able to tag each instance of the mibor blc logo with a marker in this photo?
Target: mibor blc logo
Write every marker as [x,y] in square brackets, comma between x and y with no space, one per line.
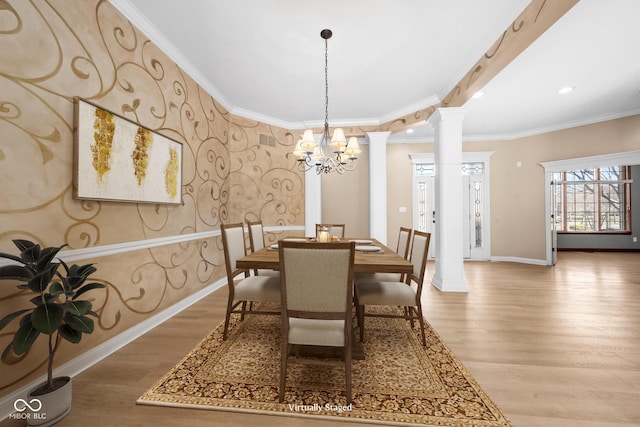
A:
[34,406]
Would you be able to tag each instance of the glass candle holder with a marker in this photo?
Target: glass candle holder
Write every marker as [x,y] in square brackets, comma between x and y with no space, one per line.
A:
[323,234]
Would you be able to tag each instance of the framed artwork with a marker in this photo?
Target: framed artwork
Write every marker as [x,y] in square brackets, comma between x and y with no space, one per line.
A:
[119,160]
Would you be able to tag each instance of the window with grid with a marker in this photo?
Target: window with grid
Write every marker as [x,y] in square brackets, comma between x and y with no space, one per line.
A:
[593,200]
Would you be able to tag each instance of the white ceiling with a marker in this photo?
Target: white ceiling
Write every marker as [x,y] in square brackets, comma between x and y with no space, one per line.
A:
[264,59]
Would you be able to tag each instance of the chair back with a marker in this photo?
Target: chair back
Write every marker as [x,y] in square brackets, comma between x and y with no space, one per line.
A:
[316,279]
[256,235]
[234,248]
[419,252]
[336,230]
[404,238]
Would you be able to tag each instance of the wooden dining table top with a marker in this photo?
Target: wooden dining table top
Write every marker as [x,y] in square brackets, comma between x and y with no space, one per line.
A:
[385,261]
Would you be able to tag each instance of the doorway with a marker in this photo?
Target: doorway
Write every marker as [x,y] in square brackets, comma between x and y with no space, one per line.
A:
[476,206]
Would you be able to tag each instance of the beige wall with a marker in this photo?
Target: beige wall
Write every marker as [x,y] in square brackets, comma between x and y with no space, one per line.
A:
[517,193]
[53,51]
[345,198]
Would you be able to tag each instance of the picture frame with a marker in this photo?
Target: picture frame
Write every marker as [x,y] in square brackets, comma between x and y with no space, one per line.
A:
[116,159]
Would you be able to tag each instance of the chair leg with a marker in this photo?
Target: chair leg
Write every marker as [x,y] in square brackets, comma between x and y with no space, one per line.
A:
[285,348]
[360,315]
[227,318]
[244,308]
[421,320]
[347,371]
[408,311]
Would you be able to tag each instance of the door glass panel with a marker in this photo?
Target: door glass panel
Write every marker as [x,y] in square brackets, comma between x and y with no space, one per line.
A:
[477,212]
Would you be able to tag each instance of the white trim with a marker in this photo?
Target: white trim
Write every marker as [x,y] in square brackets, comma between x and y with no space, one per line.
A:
[467,157]
[74,255]
[130,12]
[518,260]
[432,100]
[101,351]
[614,159]
[120,248]
[378,185]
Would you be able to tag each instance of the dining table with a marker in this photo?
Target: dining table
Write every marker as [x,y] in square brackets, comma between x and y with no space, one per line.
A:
[371,256]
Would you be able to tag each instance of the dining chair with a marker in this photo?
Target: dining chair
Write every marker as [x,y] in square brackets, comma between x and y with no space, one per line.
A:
[402,249]
[256,242]
[336,230]
[316,305]
[248,289]
[400,294]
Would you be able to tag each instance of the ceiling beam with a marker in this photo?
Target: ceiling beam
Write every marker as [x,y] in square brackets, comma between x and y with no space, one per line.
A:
[537,18]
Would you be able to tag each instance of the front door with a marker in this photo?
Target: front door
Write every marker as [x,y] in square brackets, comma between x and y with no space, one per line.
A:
[474,214]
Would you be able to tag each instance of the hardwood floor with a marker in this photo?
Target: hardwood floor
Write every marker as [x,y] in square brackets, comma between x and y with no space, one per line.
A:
[552,346]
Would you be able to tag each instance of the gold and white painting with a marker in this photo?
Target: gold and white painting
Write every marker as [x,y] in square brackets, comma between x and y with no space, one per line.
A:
[117,159]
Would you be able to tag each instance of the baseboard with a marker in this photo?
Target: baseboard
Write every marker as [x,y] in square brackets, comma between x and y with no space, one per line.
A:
[96,354]
[519,260]
[597,250]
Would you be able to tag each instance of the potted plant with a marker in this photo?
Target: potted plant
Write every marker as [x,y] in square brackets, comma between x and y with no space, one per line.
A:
[56,312]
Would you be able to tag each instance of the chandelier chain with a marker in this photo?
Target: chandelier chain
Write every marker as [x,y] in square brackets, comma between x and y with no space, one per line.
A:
[326,88]
[312,155]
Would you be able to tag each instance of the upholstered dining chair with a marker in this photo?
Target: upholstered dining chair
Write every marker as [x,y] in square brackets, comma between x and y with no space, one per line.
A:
[256,242]
[336,230]
[316,305]
[248,289]
[400,294]
[402,249]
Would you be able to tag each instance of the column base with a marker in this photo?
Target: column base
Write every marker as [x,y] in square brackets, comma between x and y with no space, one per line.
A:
[455,284]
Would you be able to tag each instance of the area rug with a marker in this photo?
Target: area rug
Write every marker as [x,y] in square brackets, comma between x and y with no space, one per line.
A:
[399,382]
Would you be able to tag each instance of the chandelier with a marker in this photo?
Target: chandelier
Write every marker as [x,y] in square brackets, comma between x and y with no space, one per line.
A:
[332,154]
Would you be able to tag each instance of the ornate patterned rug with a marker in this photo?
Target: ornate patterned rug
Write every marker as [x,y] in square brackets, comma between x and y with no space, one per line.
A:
[399,382]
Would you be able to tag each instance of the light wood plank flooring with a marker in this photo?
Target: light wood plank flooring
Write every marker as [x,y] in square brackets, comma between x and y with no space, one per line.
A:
[553,346]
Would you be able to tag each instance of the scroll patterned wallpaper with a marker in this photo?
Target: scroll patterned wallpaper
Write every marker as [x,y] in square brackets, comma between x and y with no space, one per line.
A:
[53,51]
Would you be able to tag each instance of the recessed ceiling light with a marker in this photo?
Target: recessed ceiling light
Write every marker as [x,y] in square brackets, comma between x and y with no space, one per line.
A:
[478,94]
[566,89]
[409,130]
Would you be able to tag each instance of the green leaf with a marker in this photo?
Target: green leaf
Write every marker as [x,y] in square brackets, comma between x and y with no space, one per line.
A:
[56,289]
[47,318]
[79,323]
[9,318]
[23,245]
[88,287]
[77,308]
[15,272]
[47,255]
[44,299]
[24,338]
[77,275]
[70,334]
[87,270]
[30,252]
[11,257]
[40,281]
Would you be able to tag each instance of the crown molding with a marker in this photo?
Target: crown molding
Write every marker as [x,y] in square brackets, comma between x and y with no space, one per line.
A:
[133,14]
[129,11]
[410,109]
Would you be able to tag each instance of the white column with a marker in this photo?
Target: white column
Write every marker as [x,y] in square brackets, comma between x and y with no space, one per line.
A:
[378,185]
[449,270]
[312,198]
